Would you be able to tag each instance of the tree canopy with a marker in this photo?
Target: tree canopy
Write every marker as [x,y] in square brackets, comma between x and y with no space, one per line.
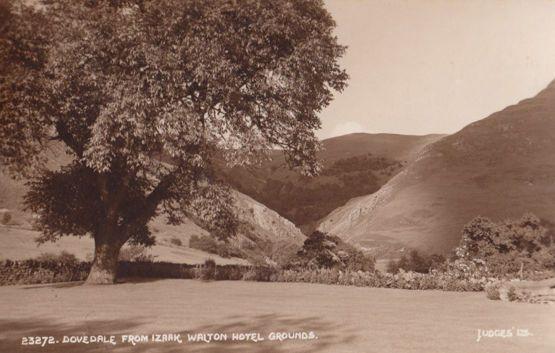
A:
[523,244]
[145,95]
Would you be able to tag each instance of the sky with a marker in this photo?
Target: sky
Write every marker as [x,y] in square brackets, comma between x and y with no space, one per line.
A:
[434,66]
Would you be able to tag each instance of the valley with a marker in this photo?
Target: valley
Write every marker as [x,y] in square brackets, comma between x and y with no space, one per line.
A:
[498,167]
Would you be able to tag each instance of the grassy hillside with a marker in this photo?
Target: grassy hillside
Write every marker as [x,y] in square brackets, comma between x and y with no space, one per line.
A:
[499,167]
[353,165]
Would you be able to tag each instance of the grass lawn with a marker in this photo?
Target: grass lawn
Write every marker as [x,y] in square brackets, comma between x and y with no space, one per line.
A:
[345,319]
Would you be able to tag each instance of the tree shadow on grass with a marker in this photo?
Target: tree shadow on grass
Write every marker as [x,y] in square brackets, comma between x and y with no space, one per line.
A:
[329,335]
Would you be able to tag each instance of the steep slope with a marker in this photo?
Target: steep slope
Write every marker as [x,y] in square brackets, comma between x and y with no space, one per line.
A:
[498,167]
[264,234]
[353,165]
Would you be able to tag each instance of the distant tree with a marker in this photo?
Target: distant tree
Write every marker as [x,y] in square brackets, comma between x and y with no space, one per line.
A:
[144,95]
[509,246]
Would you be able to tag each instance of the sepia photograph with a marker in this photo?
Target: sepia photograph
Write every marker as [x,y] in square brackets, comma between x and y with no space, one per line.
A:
[277,176]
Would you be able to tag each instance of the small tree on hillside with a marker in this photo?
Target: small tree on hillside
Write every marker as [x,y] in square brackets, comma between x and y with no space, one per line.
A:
[145,95]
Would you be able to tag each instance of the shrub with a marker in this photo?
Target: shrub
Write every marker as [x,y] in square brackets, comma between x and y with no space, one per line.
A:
[230,272]
[507,292]
[208,270]
[6,218]
[358,261]
[176,241]
[416,262]
[492,290]
[261,274]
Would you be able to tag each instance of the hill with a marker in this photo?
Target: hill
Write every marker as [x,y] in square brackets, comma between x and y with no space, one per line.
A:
[499,167]
[263,234]
[353,165]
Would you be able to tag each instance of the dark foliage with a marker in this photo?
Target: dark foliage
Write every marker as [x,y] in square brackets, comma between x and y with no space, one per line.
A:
[521,246]
[145,95]
[208,270]
[47,268]
[321,250]
[6,218]
[416,262]
[304,200]
[261,274]
[65,267]
[176,242]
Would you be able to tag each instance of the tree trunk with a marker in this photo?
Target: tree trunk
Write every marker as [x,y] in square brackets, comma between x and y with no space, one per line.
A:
[105,263]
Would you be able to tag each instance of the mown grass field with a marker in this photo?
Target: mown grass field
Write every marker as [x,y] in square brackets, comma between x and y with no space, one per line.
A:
[345,319]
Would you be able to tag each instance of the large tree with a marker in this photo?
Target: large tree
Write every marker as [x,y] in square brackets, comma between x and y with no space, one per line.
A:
[145,95]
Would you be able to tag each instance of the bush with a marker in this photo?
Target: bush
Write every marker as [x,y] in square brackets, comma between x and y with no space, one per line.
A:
[6,218]
[208,270]
[507,292]
[358,261]
[261,274]
[492,290]
[230,272]
[416,262]
[176,241]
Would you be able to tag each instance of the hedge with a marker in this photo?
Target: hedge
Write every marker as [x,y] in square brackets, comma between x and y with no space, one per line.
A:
[35,271]
[64,268]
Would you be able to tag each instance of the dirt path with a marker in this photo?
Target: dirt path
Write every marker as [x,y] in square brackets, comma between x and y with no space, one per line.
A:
[345,319]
